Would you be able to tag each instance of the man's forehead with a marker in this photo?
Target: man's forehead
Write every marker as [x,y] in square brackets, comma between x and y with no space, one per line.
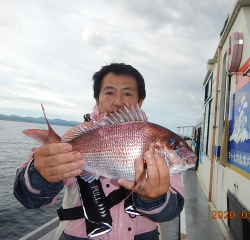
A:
[115,81]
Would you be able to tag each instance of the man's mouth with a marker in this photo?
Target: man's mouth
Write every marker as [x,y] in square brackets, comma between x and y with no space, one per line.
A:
[114,111]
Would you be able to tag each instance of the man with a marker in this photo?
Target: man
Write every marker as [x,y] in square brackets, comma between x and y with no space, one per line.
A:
[51,166]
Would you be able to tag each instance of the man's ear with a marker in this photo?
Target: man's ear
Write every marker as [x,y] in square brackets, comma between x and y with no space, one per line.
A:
[97,101]
[140,102]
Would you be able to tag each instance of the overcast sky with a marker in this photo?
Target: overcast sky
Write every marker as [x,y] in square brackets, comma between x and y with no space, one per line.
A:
[49,51]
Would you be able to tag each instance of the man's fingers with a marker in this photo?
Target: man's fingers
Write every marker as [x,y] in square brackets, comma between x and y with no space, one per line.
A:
[62,158]
[162,169]
[58,178]
[62,171]
[126,184]
[53,148]
[56,162]
[152,170]
[138,172]
[66,167]
[138,167]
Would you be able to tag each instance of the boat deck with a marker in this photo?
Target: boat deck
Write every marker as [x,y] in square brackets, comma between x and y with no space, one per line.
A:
[198,212]
[194,223]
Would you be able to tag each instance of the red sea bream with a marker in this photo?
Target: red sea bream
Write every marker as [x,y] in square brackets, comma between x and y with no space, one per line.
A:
[110,146]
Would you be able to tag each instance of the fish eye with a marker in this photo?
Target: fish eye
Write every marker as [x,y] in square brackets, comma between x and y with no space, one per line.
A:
[175,146]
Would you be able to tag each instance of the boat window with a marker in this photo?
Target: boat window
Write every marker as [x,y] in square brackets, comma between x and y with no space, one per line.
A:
[208,88]
[206,128]
[227,98]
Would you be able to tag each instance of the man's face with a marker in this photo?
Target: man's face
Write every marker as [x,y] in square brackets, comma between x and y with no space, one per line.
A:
[116,92]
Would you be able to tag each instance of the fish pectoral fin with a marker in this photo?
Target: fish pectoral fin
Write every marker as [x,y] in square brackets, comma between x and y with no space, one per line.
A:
[88,177]
[53,137]
[141,180]
[39,135]
[43,136]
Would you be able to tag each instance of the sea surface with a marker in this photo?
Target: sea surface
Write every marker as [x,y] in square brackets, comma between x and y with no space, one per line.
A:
[15,220]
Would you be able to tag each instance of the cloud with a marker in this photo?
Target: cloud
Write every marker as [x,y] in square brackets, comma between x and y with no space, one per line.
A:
[37,86]
[50,50]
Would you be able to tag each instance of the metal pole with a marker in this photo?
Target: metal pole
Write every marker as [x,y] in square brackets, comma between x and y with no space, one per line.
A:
[214,127]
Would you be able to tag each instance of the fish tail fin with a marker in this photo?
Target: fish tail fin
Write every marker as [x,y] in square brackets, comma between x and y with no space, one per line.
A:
[43,136]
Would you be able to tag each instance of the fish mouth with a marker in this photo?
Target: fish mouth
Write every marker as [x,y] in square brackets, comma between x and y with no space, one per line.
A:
[179,169]
[182,165]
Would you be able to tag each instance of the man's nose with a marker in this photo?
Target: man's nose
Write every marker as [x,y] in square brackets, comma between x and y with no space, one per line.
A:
[118,101]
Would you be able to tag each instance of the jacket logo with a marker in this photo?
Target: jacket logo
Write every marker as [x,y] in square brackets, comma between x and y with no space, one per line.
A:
[97,197]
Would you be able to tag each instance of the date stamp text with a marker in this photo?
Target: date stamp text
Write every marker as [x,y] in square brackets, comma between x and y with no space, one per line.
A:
[231,215]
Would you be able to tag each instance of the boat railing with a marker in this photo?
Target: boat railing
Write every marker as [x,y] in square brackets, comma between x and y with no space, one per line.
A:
[186,132]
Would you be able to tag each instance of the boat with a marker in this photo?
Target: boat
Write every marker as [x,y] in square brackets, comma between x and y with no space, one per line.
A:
[222,134]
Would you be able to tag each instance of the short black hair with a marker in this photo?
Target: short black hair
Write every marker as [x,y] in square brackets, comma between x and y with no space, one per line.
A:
[119,69]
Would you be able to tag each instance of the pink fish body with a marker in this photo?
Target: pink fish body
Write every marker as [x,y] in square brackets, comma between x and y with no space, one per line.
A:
[110,146]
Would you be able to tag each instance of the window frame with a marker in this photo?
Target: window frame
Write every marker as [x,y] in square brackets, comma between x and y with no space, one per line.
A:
[206,127]
[208,89]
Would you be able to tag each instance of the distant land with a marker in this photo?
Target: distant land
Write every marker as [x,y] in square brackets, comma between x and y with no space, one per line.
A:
[37,120]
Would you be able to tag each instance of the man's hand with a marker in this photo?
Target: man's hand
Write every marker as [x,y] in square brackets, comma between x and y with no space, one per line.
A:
[157,182]
[56,162]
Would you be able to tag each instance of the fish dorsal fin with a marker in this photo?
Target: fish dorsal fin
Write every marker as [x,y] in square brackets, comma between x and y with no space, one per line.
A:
[117,117]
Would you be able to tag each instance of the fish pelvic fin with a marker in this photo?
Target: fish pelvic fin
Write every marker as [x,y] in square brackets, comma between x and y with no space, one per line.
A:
[117,117]
[43,136]
[88,177]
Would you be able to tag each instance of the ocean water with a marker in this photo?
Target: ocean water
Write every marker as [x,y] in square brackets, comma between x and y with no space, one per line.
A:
[15,220]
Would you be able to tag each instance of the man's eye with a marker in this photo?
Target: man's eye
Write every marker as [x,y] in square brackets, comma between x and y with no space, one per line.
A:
[128,94]
[109,93]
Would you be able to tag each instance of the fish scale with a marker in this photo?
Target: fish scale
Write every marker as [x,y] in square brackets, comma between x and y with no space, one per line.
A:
[117,147]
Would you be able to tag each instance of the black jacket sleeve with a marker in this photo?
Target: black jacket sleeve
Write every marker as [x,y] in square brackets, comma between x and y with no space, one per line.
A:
[31,200]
